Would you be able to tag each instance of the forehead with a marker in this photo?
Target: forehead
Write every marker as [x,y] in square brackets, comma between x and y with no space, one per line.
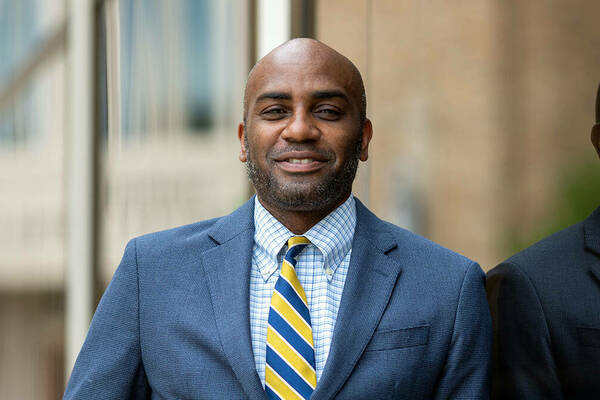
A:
[300,73]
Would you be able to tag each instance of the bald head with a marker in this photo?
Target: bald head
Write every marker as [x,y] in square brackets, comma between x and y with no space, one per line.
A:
[302,53]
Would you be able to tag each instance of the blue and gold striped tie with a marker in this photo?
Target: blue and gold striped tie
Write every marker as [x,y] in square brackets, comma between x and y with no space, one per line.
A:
[290,370]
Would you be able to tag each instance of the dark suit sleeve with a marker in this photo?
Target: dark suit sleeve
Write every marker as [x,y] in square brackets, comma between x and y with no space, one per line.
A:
[467,369]
[109,365]
[523,366]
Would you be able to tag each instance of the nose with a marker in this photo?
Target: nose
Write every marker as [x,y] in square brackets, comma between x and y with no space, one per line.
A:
[300,128]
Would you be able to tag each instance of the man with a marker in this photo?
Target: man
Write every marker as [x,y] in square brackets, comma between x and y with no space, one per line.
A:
[545,304]
[351,308]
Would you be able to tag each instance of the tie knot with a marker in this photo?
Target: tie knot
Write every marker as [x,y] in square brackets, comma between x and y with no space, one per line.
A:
[294,240]
[295,245]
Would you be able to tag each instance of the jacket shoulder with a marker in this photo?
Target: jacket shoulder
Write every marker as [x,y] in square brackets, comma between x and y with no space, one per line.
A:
[198,236]
[411,248]
[196,232]
[560,248]
[427,254]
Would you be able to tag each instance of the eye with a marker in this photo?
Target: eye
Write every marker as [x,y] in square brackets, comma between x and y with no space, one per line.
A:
[274,113]
[328,113]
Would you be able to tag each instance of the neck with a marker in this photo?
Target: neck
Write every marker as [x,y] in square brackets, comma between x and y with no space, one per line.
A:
[300,221]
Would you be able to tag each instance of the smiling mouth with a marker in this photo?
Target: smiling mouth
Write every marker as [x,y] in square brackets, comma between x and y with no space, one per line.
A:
[299,160]
[300,165]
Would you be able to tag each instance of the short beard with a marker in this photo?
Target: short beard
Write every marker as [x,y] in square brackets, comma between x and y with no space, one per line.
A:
[323,196]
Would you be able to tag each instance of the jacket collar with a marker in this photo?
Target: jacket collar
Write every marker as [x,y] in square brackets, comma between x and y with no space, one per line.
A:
[591,231]
[230,226]
[227,271]
[591,228]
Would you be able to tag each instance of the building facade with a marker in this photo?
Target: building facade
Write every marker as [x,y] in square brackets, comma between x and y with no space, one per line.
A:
[481,114]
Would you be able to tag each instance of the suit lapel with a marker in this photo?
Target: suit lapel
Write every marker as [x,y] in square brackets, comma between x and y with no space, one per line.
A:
[591,228]
[227,268]
[371,277]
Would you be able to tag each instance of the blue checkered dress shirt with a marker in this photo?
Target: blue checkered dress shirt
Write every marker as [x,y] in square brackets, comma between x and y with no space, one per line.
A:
[322,268]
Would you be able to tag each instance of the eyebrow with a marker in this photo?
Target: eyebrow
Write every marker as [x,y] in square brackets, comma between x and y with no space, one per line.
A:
[328,94]
[274,96]
[318,95]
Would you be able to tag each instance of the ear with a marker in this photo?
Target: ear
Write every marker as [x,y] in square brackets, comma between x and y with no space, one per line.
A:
[367,134]
[241,132]
[596,137]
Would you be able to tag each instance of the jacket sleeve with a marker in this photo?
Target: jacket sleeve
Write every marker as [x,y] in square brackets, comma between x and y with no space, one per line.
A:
[466,374]
[523,366]
[109,365]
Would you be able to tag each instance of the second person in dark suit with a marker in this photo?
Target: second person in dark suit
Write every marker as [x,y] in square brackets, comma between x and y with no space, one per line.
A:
[545,304]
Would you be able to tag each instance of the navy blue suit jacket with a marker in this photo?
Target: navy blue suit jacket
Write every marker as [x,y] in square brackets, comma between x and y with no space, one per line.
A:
[413,321]
[545,304]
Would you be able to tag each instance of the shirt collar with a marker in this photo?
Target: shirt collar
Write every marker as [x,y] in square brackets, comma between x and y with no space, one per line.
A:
[332,236]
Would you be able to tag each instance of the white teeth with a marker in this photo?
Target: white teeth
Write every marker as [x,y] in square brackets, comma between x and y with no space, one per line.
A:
[300,160]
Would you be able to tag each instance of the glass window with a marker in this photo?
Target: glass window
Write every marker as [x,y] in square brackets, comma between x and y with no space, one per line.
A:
[32,206]
[175,79]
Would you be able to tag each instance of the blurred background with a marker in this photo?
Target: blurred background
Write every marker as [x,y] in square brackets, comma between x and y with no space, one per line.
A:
[118,118]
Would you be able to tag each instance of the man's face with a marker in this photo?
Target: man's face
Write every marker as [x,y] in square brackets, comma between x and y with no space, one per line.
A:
[303,135]
[596,138]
